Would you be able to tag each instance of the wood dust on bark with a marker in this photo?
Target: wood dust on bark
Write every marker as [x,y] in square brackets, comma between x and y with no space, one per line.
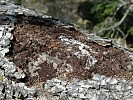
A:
[34,37]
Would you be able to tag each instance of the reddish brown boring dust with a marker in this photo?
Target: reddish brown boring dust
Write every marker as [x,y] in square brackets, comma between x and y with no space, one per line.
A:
[34,37]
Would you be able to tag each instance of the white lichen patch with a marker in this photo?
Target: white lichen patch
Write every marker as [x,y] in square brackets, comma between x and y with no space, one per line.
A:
[5,31]
[98,87]
[83,50]
[9,68]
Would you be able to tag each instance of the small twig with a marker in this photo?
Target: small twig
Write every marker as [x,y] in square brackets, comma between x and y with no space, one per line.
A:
[118,8]
[123,35]
[116,36]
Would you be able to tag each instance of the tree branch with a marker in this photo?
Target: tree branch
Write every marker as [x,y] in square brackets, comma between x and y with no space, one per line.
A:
[118,23]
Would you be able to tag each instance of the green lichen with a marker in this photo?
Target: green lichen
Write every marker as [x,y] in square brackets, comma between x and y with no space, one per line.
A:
[1,79]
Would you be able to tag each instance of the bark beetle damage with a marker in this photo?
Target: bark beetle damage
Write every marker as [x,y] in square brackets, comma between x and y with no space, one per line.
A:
[44,50]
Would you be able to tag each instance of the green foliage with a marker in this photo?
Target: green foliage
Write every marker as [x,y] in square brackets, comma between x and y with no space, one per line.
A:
[98,12]
[110,9]
[130,31]
[102,13]
[103,9]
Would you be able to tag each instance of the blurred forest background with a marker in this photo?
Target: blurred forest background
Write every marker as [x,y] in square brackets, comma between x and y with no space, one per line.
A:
[107,18]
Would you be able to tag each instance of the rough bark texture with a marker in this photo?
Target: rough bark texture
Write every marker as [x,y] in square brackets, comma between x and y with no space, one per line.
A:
[58,60]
